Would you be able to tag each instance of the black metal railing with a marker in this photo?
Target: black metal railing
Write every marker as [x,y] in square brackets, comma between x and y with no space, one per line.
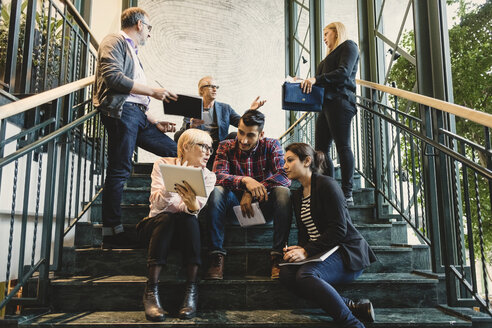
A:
[52,145]
[61,163]
[42,45]
[438,181]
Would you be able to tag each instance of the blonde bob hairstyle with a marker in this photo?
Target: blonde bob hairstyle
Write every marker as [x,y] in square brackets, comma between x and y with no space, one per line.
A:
[190,138]
[340,34]
[200,83]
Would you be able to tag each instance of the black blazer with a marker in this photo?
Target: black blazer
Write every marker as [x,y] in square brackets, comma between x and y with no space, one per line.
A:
[331,217]
[336,73]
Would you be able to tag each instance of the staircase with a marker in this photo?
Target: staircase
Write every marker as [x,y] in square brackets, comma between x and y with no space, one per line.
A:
[102,288]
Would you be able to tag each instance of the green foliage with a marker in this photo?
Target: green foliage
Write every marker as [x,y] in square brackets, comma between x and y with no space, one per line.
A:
[41,33]
[470,42]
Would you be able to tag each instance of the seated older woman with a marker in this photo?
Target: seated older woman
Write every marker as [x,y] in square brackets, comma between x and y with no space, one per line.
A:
[175,212]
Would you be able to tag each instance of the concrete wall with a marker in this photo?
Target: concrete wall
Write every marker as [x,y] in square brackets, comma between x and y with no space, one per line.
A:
[240,43]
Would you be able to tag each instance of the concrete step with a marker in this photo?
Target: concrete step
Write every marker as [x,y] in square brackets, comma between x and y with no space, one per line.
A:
[253,261]
[315,318]
[89,235]
[124,293]
[132,213]
[137,191]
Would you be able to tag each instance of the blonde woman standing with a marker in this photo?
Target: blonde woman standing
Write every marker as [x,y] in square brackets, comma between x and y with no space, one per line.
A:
[336,74]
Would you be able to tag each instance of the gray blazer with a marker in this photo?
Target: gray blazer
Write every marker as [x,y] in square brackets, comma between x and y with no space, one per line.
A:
[114,75]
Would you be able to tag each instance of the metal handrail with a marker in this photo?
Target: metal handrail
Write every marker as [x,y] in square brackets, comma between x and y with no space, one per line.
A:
[38,143]
[476,116]
[395,154]
[31,102]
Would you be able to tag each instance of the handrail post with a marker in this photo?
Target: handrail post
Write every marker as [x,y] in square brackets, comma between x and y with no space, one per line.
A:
[432,55]
[13,44]
[29,37]
[48,211]
[62,185]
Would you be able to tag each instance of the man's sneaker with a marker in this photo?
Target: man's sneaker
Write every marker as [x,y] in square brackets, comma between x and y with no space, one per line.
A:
[350,201]
[216,268]
[121,240]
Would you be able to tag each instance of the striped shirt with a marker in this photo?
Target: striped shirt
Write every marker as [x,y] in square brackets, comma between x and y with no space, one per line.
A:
[307,220]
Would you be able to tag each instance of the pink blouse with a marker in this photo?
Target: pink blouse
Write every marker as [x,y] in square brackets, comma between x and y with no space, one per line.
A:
[162,200]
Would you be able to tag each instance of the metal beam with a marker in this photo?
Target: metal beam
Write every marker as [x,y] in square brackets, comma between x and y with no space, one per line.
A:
[13,44]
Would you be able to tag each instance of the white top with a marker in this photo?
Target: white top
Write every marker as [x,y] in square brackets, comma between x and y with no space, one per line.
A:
[162,200]
[138,74]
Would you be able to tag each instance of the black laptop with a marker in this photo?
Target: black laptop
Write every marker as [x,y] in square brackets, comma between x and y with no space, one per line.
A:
[187,106]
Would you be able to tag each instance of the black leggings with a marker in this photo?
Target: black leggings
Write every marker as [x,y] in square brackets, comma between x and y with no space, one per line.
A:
[158,232]
[334,124]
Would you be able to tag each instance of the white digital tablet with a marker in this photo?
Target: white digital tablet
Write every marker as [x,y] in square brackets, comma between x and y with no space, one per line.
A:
[174,174]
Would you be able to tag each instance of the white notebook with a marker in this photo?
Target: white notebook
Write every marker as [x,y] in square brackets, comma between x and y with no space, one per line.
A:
[316,258]
[244,221]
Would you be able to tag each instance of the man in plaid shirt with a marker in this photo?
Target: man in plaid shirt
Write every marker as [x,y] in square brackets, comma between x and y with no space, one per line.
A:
[249,168]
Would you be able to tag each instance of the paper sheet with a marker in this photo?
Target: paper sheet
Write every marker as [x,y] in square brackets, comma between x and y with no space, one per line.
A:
[244,221]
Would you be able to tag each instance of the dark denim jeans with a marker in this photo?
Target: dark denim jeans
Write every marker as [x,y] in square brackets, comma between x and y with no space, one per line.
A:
[334,124]
[133,129]
[314,281]
[278,208]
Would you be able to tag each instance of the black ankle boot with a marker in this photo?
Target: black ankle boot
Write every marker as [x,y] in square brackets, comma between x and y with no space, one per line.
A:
[188,309]
[152,304]
[362,309]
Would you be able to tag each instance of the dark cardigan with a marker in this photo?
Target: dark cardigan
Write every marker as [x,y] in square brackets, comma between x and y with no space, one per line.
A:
[331,217]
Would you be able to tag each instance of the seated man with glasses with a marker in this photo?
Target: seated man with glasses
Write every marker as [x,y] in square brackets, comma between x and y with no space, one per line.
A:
[217,116]
[249,169]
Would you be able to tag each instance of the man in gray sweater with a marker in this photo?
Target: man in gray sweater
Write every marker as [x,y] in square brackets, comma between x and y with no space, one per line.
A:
[122,96]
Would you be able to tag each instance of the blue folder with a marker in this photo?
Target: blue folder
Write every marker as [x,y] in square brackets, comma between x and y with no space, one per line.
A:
[294,99]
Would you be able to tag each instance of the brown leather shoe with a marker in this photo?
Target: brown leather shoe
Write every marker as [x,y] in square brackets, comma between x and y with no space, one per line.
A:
[216,269]
[275,260]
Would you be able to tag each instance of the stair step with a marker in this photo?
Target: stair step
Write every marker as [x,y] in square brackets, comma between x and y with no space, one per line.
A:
[239,261]
[132,213]
[122,293]
[137,191]
[385,317]
[87,234]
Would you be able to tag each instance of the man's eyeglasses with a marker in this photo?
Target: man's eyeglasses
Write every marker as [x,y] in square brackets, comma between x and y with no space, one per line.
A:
[213,86]
[148,26]
[205,148]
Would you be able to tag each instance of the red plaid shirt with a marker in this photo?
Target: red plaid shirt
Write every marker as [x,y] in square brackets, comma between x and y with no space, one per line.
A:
[264,163]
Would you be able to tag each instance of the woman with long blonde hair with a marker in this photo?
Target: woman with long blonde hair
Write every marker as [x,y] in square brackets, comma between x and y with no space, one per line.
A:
[336,74]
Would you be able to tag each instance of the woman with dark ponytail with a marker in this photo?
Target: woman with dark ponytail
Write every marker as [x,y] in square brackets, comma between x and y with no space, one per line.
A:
[324,223]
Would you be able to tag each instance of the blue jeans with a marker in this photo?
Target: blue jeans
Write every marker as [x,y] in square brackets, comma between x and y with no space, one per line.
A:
[133,129]
[278,208]
[314,281]
[334,123]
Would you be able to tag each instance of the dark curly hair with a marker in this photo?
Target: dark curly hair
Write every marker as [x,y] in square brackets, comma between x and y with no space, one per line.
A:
[303,150]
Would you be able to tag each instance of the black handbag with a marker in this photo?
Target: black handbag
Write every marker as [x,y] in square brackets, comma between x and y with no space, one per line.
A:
[294,99]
